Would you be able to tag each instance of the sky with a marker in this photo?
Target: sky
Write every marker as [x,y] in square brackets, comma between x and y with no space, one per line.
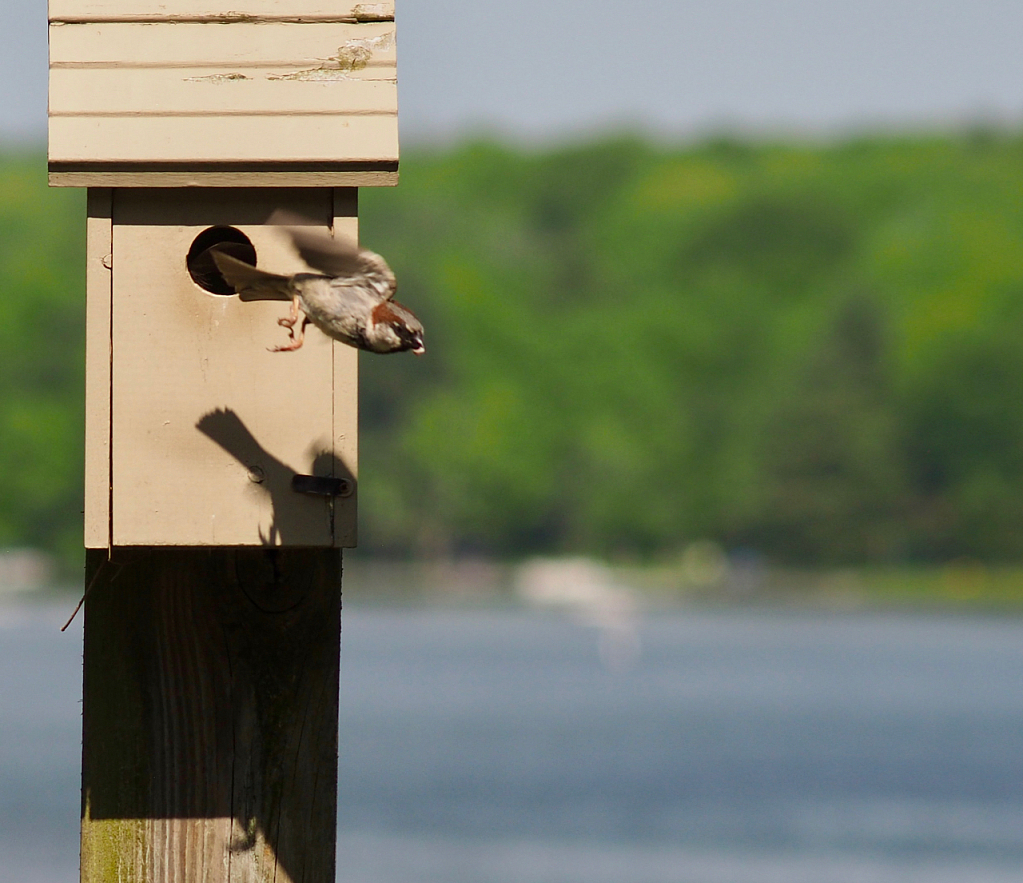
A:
[540,71]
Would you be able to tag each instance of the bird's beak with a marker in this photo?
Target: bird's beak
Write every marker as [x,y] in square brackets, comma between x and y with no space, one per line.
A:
[419,350]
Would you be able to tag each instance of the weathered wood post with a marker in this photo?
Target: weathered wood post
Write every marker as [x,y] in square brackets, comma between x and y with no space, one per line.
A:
[213,615]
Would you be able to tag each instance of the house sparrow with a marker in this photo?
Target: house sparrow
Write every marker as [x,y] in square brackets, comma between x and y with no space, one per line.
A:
[350,299]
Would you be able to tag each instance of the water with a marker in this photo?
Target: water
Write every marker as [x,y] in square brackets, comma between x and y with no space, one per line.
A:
[496,746]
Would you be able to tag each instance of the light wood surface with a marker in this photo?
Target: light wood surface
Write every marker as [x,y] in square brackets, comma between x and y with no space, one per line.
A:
[219,10]
[147,91]
[98,284]
[109,175]
[241,44]
[207,425]
[222,138]
[125,94]
[346,389]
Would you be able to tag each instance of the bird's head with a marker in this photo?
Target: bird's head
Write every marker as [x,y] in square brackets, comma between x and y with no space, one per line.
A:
[396,329]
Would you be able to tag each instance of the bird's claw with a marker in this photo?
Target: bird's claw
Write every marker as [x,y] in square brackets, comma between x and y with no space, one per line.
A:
[293,344]
[285,348]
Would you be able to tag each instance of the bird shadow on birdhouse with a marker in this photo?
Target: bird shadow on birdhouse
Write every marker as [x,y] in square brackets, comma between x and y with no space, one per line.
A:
[327,477]
[169,341]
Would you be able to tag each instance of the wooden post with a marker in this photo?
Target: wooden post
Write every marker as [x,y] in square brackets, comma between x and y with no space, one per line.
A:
[210,716]
[212,630]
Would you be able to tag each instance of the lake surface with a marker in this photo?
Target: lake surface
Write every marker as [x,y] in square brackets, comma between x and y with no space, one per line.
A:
[492,746]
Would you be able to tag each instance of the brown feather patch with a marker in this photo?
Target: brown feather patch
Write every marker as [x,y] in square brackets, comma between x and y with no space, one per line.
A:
[382,313]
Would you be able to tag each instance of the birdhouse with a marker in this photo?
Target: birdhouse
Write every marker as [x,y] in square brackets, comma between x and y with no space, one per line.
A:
[191,122]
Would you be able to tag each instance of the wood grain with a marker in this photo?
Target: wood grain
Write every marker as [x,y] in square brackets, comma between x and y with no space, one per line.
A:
[210,716]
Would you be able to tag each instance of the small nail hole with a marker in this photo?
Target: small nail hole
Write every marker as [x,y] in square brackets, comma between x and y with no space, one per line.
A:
[200,264]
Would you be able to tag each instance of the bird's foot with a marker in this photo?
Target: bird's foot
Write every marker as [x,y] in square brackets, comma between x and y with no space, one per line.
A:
[294,344]
[296,341]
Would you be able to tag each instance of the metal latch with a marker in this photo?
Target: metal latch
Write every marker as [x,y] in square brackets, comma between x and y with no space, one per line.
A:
[322,486]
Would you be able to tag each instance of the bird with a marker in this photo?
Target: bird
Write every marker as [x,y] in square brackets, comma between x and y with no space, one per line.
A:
[350,299]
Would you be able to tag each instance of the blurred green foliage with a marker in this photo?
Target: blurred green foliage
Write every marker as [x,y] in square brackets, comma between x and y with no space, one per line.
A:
[42,355]
[810,351]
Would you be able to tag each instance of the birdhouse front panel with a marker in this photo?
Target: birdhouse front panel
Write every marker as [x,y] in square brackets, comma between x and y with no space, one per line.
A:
[207,437]
[255,93]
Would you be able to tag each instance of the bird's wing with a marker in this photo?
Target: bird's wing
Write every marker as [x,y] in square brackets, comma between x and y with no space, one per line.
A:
[250,283]
[337,257]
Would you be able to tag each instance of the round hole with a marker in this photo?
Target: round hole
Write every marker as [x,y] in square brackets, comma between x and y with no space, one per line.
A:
[200,264]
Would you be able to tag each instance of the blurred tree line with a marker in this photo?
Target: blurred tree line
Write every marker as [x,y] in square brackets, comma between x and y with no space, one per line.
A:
[808,351]
[42,353]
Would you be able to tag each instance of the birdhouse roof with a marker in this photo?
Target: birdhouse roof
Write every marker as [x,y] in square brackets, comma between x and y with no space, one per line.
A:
[206,92]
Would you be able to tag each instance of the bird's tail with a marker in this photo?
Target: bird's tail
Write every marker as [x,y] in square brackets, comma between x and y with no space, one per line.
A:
[250,283]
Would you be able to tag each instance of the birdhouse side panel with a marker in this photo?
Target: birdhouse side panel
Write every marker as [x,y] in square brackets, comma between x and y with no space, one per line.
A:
[98,282]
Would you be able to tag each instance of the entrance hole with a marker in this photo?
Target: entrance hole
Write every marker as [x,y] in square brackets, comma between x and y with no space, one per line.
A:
[201,267]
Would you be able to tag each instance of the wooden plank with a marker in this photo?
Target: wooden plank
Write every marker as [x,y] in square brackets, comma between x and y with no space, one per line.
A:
[210,716]
[107,177]
[139,139]
[208,426]
[193,91]
[241,45]
[133,93]
[219,10]
[346,392]
[98,285]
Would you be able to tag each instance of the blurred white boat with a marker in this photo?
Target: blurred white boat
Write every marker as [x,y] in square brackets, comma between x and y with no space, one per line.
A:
[588,591]
[24,570]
